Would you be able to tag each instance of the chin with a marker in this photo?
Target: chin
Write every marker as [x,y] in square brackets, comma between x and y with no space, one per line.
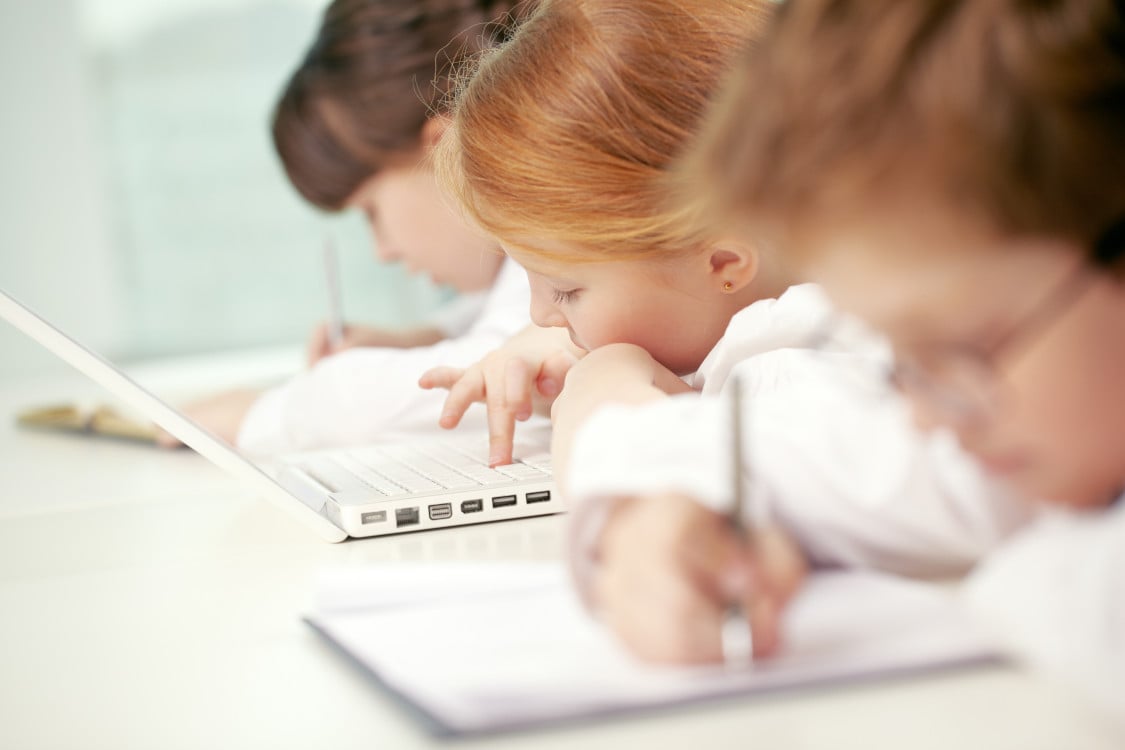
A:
[1070,492]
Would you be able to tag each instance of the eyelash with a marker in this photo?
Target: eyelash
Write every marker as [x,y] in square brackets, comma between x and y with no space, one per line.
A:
[562,297]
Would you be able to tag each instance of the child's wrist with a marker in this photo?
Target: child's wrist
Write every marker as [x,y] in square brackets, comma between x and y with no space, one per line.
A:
[586,532]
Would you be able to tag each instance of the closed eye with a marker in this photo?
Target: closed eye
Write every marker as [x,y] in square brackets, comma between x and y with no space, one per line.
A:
[562,297]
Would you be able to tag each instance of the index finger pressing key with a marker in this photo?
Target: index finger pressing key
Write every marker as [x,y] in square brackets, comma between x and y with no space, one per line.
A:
[501,433]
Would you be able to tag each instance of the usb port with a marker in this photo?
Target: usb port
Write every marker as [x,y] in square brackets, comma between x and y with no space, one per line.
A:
[441,511]
[406,517]
[539,497]
[472,506]
[503,501]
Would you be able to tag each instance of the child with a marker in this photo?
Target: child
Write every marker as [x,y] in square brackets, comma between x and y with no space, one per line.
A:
[959,184]
[353,128]
[560,145]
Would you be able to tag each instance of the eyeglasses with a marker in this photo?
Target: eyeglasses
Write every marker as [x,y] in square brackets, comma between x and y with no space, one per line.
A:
[963,381]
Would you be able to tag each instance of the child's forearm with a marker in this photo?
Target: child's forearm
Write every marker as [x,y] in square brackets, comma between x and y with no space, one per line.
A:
[614,374]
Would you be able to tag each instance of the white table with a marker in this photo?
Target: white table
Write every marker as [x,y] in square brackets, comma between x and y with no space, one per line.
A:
[146,601]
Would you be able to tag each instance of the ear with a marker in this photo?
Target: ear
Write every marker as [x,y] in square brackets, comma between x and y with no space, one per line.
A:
[733,265]
[432,131]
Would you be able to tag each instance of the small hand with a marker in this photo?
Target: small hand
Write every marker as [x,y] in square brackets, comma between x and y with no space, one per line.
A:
[670,568]
[221,414]
[521,378]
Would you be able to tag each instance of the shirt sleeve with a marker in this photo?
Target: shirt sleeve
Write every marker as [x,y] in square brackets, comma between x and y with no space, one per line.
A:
[365,394]
[1055,597]
[830,457]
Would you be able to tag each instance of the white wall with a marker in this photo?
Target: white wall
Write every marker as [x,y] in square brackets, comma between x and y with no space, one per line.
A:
[144,209]
[55,250]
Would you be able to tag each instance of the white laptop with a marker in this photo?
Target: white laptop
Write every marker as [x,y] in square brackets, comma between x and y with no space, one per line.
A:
[365,491]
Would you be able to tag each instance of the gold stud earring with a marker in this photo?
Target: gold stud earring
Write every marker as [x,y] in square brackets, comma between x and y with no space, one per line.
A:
[728,286]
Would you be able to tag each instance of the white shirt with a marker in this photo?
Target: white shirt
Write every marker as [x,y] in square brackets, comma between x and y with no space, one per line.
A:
[457,317]
[369,393]
[1055,598]
[840,466]
[830,453]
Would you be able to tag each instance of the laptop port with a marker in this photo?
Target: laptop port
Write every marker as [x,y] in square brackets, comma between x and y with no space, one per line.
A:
[503,501]
[472,506]
[539,497]
[441,511]
[406,517]
[375,516]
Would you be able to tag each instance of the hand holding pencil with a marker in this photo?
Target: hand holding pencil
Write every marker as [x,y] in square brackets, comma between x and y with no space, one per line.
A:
[681,583]
[669,569]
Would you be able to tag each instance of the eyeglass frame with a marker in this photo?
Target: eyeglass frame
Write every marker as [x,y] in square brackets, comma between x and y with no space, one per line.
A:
[975,397]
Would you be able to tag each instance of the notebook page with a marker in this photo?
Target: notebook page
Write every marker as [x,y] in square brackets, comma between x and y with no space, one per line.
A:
[496,659]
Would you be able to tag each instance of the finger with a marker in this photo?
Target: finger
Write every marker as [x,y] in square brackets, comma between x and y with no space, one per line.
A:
[350,337]
[764,617]
[440,377]
[318,344]
[552,373]
[780,563]
[468,390]
[711,550]
[517,388]
[165,439]
[501,429]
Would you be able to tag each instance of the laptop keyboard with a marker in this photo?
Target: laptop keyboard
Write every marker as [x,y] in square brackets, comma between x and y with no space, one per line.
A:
[390,470]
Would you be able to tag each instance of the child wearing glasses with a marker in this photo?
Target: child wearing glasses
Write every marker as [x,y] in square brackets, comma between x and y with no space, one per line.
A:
[963,190]
[561,145]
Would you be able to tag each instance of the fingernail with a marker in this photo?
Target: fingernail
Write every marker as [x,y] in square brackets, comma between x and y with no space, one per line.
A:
[549,387]
[495,460]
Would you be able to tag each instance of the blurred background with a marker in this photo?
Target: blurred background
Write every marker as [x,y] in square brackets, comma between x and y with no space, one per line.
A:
[143,209]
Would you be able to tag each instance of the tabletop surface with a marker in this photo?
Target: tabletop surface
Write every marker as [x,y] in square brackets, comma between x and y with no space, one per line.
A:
[148,601]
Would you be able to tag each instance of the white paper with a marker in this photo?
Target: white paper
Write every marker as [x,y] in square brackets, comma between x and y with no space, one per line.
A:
[489,647]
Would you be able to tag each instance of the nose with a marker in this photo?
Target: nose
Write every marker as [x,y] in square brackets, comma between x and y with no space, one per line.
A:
[545,313]
[386,252]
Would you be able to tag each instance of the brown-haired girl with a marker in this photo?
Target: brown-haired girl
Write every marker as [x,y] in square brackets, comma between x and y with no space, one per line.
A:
[954,172]
[353,128]
[561,145]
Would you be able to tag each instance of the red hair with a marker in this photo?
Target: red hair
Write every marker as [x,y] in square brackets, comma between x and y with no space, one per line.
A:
[566,132]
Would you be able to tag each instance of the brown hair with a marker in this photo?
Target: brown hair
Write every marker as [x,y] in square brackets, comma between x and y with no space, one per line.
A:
[1014,109]
[367,85]
[566,131]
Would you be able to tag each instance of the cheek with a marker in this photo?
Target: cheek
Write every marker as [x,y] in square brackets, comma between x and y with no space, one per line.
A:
[1069,408]
[671,340]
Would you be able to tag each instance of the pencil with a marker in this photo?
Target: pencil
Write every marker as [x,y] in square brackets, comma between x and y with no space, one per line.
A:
[335,306]
[737,637]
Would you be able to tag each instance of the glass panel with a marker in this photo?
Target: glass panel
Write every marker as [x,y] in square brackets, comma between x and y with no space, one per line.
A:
[145,211]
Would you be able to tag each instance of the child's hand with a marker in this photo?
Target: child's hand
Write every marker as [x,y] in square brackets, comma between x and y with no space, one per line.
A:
[669,569]
[521,377]
[220,415]
[320,346]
